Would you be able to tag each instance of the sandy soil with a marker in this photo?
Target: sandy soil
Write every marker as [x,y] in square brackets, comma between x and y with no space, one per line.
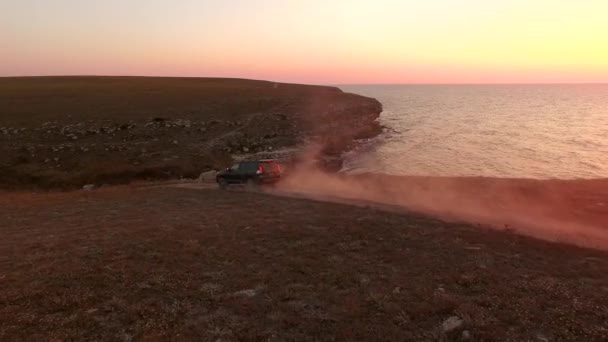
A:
[138,262]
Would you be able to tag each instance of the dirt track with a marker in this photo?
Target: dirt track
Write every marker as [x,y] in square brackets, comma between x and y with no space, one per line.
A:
[571,211]
[150,262]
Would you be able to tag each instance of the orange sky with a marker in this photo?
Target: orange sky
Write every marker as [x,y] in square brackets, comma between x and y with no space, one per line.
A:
[312,41]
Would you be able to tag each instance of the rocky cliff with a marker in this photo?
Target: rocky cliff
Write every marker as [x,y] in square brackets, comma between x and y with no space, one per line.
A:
[58,132]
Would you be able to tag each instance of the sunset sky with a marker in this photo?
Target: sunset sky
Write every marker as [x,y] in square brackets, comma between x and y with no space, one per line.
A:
[311,41]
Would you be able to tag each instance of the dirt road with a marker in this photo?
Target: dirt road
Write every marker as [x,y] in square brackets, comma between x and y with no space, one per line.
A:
[571,211]
[574,212]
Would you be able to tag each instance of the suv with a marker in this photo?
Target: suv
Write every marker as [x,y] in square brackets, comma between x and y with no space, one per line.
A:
[251,173]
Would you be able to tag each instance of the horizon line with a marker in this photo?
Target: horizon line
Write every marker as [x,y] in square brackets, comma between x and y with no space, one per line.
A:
[320,84]
[474,83]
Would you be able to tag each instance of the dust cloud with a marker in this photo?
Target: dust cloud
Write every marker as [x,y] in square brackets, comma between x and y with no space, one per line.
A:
[564,211]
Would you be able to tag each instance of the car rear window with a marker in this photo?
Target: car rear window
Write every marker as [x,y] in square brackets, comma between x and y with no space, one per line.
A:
[270,166]
[248,167]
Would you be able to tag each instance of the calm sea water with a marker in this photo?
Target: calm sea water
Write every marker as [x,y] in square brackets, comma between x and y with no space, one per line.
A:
[530,131]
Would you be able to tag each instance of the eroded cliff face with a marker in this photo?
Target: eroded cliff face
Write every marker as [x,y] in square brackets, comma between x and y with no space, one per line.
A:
[67,131]
[337,122]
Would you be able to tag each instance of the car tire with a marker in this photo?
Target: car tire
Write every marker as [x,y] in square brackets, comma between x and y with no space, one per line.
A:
[222,183]
[251,184]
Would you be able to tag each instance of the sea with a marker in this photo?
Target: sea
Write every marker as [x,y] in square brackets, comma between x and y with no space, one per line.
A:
[512,131]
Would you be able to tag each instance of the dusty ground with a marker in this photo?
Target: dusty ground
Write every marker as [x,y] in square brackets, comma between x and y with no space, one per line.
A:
[158,262]
[572,211]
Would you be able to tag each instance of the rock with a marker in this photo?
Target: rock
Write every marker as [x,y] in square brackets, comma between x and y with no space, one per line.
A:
[144,285]
[175,142]
[452,324]
[245,149]
[541,338]
[466,336]
[207,176]
[88,187]
[246,293]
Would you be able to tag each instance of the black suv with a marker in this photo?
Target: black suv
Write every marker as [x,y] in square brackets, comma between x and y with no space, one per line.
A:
[251,173]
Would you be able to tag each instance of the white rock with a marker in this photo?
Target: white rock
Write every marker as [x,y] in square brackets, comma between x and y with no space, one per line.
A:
[541,338]
[452,324]
[207,176]
[246,293]
[88,187]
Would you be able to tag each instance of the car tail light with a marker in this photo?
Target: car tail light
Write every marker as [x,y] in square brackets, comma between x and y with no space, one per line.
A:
[260,170]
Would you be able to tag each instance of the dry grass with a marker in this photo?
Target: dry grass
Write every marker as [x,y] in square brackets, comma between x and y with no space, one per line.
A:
[64,132]
[30,101]
[131,263]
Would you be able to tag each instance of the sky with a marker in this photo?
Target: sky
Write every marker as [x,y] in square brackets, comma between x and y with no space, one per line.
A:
[311,41]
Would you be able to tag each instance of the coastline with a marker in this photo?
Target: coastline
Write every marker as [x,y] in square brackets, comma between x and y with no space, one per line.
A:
[197,125]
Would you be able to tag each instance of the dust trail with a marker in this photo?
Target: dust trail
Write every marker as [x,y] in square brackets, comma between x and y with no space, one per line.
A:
[573,212]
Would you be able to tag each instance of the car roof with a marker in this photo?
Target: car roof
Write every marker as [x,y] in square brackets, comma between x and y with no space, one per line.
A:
[259,161]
